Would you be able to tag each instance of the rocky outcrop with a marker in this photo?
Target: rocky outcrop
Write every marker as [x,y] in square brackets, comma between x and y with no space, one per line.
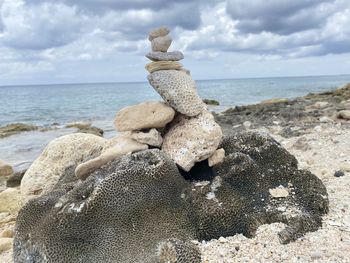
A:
[154,212]
[60,156]
[146,115]
[5,169]
[179,90]
[190,140]
[15,128]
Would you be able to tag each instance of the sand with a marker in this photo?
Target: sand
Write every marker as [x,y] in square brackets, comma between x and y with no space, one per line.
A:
[323,151]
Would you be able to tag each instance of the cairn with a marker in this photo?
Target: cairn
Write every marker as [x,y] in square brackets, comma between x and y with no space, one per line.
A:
[190,133]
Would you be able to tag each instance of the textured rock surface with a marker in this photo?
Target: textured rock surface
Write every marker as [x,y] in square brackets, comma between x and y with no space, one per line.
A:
[86,128]
[344,114]
[152,137]
[239,192]
[165,56]
[60,156]
[146,115]
[163,65]
[179,90]
[10,201]
[5,244]
[128,210]
[121,213]
[161,43]
[158,32]
[5,169]
[191,140]
[15,179]
[217,157]
[122,145]
[15,128]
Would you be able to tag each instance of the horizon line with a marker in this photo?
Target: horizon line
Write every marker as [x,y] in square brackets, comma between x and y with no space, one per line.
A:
[130,82]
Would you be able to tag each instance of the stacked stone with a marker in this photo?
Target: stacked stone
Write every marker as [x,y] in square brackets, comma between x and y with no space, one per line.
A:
[190,132]
[193,135]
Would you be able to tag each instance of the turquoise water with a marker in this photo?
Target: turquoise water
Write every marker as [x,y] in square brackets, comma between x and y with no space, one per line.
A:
[98,103]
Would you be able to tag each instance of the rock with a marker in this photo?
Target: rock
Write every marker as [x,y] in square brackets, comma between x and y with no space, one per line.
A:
[326,119]
[274,101]
[163,65]
[247,124]
[158,32]
[5,244]
[344,114]
[122,145]
[165,56]
[152,137]
[86,128]
[216,158]
[146,115]
[279,192]
[191,140]
[5,169]
[320,104]
[161,43]
[339,173]
[15,179]
[61,156]
[345,167]
[10,201]
[8,232]
[179,90]
[211,102]
[144,209]
[132,205]
[15,128]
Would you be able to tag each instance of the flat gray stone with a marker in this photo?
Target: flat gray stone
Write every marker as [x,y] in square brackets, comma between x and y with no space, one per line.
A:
[165,56]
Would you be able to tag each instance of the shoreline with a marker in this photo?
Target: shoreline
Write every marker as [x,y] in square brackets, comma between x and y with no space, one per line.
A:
[311,129]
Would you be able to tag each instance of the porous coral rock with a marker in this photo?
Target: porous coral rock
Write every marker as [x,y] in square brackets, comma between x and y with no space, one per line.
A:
[179,90]
[10,201]
[152,137]
[158,32]
[161,43]
[165,56]
[137,206]
[60,155]
[177,251]
[217,157]
[190,140]
[163,65]
[146,115]
[121,145]
[119,214]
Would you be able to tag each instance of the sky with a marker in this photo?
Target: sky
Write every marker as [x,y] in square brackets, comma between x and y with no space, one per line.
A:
[83,41]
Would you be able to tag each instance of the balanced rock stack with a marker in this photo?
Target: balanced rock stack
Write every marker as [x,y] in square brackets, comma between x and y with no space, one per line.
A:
[190,134]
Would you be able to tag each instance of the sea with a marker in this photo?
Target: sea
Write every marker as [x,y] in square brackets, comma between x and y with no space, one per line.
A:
[97,103]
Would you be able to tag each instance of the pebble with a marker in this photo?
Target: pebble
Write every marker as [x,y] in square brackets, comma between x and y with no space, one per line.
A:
[339,173]
[165,56]
[247,124]
[163,65]
[279,192]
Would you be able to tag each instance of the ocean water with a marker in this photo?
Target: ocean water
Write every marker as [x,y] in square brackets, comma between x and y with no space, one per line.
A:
[98,103]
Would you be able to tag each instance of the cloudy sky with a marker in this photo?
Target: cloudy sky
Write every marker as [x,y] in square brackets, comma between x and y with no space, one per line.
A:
[65,41]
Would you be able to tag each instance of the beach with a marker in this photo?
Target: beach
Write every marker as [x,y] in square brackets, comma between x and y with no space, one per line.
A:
[311,128]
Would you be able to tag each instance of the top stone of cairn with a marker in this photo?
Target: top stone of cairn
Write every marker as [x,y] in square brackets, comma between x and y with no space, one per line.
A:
[158,32]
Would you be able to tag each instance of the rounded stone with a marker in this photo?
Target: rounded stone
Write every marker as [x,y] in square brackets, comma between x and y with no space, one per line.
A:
[158,32]
[5,169]
[146,115]
[62,155]
[161,43]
